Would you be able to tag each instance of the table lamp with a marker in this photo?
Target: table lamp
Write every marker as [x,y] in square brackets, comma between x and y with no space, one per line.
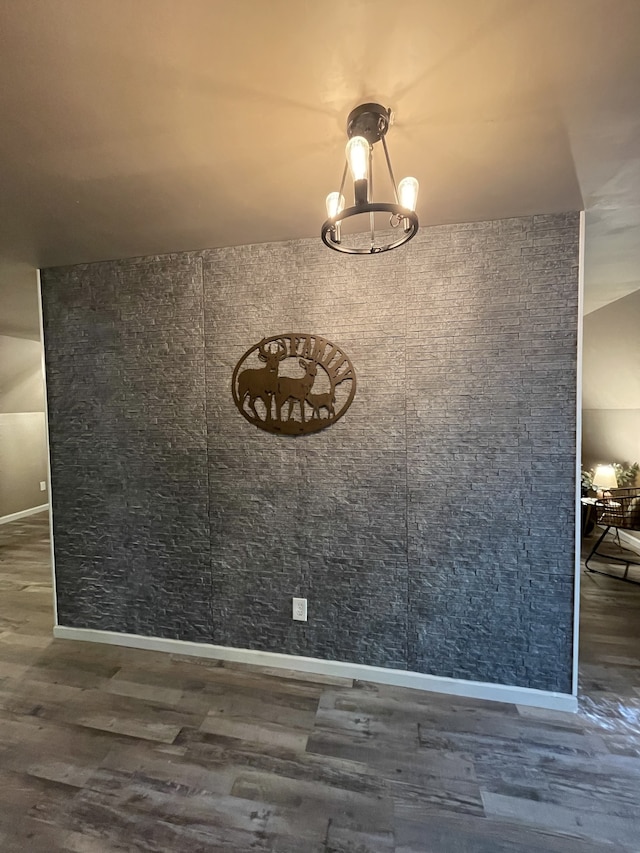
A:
[604,478]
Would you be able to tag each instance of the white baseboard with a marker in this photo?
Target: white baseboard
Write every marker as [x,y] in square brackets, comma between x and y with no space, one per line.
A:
[630,541]
[5,519]
[394,677]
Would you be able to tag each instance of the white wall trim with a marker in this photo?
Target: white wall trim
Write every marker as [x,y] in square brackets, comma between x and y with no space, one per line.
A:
[578,530]
[5,519]
[381,675]
[46,432]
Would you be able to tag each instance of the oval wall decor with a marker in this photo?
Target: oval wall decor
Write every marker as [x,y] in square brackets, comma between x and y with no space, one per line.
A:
[293,384]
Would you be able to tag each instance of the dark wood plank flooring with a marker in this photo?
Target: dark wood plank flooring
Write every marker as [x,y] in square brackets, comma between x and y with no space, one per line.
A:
[106,749]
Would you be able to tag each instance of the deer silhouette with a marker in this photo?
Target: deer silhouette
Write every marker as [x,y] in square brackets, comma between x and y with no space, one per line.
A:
[322,401]
[261,383]
[295,389]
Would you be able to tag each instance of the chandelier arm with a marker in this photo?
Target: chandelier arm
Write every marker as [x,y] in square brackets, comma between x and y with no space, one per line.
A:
[372,220]
[344,178]
[393,180]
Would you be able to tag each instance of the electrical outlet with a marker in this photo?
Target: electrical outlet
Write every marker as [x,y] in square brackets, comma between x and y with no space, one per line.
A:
[43,486]
[300,609]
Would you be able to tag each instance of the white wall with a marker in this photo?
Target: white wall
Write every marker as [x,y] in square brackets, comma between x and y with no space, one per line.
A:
[23,447]
[611,383]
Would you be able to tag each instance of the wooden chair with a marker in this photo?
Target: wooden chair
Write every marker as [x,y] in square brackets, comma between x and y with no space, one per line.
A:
[622,511]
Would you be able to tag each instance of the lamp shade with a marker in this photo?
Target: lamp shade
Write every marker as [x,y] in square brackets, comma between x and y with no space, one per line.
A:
[605,477]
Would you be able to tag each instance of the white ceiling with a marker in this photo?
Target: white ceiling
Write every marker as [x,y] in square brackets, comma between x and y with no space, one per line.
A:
[138,126]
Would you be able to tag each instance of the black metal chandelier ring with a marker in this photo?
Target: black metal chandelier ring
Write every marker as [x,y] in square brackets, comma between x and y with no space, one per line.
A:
[407,216]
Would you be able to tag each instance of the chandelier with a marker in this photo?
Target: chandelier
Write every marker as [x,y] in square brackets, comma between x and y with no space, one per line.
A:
[367,125]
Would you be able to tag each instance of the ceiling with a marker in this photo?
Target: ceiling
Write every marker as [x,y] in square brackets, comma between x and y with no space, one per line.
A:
[132,127]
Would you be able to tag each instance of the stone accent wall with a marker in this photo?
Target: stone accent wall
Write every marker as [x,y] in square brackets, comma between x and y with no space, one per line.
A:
[431,528]
[128,442]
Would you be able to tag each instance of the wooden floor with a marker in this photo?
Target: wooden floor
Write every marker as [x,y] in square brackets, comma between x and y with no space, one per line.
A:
[107,749]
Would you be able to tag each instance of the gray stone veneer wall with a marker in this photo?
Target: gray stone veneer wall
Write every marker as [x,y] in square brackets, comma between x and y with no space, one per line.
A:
[431,528]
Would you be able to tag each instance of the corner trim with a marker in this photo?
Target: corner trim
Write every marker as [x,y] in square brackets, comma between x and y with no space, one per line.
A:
[43,365]
[395,677]
[577,576]
[5,519]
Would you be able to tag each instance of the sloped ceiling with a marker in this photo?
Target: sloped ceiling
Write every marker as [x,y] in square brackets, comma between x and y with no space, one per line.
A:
[139,126]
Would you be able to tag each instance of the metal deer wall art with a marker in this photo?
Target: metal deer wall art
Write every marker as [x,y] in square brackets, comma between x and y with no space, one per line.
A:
[293,384]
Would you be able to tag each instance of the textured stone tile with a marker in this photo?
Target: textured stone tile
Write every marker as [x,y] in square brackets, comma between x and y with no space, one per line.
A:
[309,517]
[431,528]
[491,377]
[128,445]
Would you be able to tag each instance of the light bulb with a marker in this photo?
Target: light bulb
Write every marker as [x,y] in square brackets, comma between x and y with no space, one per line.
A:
[408,193]
[335,204]
[358,157]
